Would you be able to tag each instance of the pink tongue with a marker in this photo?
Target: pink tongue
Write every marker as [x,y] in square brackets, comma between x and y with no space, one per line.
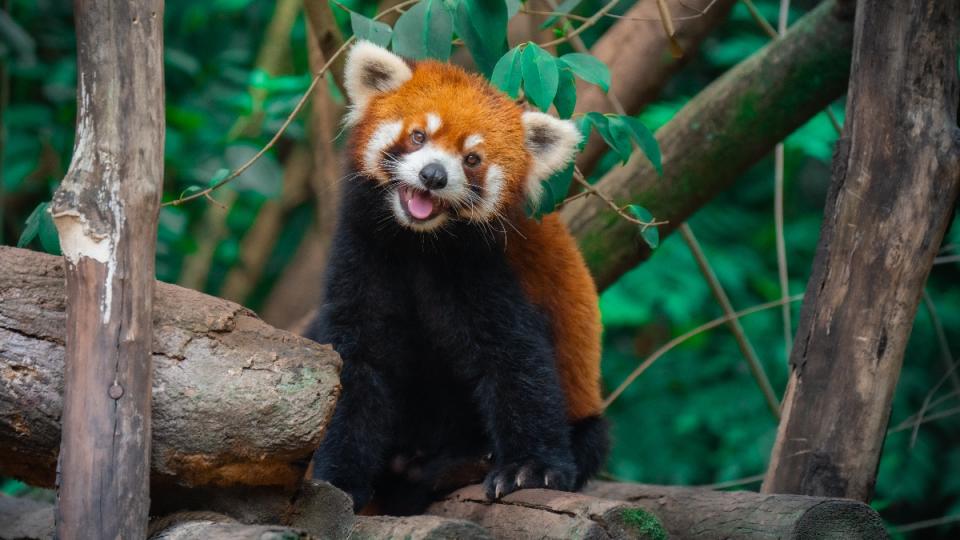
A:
[420,205]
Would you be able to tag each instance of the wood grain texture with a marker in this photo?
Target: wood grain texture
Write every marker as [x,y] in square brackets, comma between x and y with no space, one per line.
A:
[895,181]
[236,402]
[712,140]
[704,514]
[105,210]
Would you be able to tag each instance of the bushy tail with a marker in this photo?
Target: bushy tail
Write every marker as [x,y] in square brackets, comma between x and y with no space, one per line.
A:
[591,442]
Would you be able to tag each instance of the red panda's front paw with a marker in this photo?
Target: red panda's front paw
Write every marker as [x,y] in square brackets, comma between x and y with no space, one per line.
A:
[505,479]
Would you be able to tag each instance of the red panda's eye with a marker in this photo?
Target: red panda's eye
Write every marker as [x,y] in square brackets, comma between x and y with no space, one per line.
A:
[418,136]
[472,160]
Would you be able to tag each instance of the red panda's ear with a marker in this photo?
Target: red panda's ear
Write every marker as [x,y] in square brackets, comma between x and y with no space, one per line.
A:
[371,70]
[552,143]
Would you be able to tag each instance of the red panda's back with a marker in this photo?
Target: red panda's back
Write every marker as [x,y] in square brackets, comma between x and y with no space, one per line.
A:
[554,275]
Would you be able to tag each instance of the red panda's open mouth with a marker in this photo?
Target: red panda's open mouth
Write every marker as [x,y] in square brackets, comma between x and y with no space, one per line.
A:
[419,205]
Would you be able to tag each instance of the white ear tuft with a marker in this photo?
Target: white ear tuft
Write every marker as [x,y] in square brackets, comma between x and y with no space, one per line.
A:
[370,70]
[552,143]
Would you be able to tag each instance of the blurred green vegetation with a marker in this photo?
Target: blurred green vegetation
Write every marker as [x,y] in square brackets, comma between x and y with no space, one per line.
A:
[695,417]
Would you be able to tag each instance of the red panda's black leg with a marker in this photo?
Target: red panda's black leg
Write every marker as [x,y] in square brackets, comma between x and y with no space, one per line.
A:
[523,407]
[354,448]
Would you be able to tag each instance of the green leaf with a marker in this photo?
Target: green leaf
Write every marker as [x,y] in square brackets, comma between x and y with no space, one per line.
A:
[424,31]
[541,75]
[40,225]
[646,141]
[650,235]
[513,7]
[614,132]
[555,190]
[482,24]
[32,226]
[370,30]
[506,74]
[547,203]
[589,69]
[565,7]
[566,98]
[217,177]
[49,237]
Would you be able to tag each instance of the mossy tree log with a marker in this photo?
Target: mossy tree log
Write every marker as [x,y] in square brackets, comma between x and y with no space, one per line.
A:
[704,514]
[896,177]
[105,211]
[235,401]
[721,132]
[541,513]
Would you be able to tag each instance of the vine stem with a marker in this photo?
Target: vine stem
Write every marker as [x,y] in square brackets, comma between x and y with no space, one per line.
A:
[205,193]
[667,347]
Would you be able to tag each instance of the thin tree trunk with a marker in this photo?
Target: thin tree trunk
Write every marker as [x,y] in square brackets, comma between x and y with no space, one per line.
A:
[721,132]
[106,213]
[895,179]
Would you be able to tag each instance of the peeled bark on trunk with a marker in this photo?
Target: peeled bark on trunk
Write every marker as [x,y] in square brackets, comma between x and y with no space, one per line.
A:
[895,182]
[236,402]
[705,514]
[640,62]
[106,212]
[721,132]
[541,514]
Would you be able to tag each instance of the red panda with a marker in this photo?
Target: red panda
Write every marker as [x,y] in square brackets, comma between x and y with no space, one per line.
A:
[466,328]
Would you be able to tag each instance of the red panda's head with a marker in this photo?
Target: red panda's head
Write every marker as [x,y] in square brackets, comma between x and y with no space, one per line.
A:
[444,143]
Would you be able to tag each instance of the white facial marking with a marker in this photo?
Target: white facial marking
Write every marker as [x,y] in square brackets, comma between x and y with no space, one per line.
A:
[492,188]
[433,123]
[407,171]
[409,167]
[382,138]
[472,141]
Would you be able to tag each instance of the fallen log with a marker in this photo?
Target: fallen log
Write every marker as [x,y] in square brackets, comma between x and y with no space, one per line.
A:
[416,528]
[209,526]
[25,518]
[235,401]
[542,513]
[705,514]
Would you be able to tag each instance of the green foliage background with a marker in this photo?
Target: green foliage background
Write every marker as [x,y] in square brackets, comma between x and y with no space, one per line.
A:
[695,417]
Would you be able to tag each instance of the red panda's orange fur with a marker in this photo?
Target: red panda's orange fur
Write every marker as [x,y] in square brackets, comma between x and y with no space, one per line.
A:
[544,255]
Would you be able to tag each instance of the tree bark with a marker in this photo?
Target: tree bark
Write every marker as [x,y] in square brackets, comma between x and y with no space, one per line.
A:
[236,402]
[641,63]
[106,214]
[705,514]
[416,528]
[895,181]
[544,514]
[724,130]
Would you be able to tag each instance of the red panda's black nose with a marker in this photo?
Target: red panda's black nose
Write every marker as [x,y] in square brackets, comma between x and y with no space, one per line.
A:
[433,176]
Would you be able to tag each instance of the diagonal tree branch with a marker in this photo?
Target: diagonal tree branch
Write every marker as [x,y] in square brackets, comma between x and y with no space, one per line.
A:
[734,122]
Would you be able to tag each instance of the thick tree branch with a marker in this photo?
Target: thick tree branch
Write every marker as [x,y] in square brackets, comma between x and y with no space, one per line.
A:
[721,132]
